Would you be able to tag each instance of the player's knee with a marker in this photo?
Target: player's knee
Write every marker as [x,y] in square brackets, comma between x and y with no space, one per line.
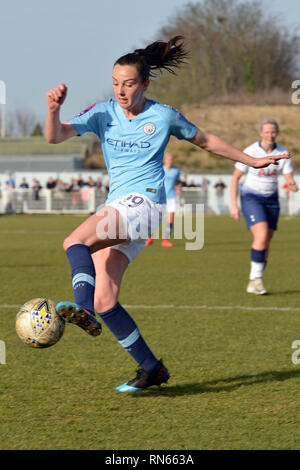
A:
[66,243]
[261,239]
[69,241]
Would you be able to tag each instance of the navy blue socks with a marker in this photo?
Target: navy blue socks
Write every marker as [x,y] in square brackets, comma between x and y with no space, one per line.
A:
[116,319]
[127,333]
[83,275]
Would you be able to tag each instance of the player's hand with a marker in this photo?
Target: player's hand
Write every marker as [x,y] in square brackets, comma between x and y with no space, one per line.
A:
[56,97]
[269,160]
[293,187]
[235,213]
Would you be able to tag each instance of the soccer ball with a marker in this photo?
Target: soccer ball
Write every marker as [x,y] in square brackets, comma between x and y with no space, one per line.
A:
[38,324]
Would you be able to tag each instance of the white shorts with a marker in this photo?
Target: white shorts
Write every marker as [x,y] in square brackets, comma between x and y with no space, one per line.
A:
[171,205]
[141,218]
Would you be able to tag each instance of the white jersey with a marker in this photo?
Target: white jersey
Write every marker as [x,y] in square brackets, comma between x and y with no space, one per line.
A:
[264,180]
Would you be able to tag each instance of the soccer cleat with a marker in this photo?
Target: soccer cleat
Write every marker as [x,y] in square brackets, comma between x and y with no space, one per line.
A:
[256,287]
[166,243]
[73,313]
[145,379]
[149,241]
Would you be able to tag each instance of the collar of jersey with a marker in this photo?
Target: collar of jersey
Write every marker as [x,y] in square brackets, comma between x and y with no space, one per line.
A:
[274,146]
[123,116]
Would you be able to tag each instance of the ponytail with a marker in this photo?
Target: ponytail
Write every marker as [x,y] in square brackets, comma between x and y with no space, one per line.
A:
[157,56]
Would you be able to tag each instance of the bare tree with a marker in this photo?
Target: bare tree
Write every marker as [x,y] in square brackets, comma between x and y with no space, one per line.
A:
[233,45]
[25,121]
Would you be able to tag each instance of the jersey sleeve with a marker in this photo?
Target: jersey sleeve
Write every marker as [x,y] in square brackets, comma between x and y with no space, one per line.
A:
[287,167]
[241,166]
[180,127]
[87,121]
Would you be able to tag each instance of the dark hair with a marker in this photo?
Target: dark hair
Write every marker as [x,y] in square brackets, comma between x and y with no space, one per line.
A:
[157,56]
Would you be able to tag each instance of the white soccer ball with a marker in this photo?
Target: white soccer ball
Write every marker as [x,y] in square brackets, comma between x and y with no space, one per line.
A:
[38,324]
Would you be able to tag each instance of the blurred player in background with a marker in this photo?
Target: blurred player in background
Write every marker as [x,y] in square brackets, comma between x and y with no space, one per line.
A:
[173,188]
[134,132]
[259,199]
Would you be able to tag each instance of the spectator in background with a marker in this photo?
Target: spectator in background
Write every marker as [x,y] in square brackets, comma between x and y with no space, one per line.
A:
[75,190]
[24,184]
[59,194]
[98,183]
[23,193]
[36,186]
[68,186]
[204,187]
[85,195]
[184,183]
[80,181]
[51,183]
[220,187]
[91,182]
[204,184]
[10,182]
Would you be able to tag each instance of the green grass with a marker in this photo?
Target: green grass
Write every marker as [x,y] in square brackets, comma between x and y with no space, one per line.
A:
[233,384]
[39,146]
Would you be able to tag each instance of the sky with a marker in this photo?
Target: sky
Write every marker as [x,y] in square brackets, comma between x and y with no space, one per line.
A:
[44,43]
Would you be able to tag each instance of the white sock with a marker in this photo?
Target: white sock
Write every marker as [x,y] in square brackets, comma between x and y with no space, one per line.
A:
[257,270]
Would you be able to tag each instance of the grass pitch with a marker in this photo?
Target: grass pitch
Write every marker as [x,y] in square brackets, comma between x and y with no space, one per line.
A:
[233,384]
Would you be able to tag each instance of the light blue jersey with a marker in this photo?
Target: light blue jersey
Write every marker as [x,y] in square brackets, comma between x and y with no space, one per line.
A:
[133,148]
[171,178]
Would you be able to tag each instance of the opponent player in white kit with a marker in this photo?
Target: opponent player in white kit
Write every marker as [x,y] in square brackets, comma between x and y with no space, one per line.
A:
[134,132]
[259,199]
[172,185]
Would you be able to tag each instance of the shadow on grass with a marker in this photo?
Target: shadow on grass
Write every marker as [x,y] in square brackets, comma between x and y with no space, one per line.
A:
[228,384]
[288,292]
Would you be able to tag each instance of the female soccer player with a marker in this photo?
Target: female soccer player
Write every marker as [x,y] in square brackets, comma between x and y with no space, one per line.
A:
[134,132]
[259,199]
[172,187]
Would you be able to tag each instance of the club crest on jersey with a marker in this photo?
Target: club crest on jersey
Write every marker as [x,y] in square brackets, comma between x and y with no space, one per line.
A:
[86,110]
[149,128]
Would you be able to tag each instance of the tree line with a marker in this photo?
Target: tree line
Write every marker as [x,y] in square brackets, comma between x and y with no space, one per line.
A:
[233,45]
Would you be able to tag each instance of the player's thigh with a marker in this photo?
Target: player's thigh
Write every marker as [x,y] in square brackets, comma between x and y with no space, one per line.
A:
[100,230]
[110,266]
[254,210]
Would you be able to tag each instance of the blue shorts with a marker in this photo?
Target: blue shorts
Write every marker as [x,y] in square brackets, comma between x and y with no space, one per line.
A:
[258,208]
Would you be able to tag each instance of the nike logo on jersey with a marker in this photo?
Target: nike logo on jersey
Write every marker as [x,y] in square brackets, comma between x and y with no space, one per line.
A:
[111,125]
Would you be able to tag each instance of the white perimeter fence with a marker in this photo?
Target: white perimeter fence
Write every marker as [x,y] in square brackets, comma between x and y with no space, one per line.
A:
[86,200]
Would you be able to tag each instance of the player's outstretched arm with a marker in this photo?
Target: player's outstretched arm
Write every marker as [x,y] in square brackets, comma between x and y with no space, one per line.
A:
[57,131]
[214,144]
